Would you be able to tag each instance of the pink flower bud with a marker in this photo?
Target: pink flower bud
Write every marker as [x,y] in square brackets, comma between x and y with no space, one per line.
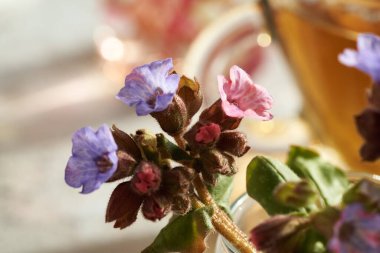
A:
[147,178]
[208,134]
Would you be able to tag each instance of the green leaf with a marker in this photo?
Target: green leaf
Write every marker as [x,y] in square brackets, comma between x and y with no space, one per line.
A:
[221,192]
[184,234]
[263,176]
[330,181]
[169,150]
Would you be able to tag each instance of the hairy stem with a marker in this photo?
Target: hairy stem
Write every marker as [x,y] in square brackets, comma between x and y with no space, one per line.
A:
[221,222]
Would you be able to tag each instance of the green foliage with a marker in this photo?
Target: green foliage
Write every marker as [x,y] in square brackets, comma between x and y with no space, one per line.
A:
[330,181]
[263,176]
[183,234]
[221,192]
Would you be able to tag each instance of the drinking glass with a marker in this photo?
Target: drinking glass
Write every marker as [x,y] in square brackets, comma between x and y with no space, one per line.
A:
[312,34]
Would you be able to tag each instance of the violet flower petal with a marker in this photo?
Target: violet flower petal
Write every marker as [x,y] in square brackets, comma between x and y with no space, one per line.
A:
[89,147]
[356,231]
[150,87]
[366,58]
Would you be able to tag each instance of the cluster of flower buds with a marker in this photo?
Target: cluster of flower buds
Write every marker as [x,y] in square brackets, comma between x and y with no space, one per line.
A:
[367,59]
[157,175]
[153,184]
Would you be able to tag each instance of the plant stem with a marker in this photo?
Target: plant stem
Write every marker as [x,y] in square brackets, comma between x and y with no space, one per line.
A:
[221,222]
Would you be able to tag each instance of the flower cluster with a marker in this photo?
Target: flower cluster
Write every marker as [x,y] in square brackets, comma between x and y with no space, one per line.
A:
[157,175]
[367,59]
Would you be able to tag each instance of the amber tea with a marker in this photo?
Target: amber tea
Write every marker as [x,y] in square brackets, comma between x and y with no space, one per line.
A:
[312,34]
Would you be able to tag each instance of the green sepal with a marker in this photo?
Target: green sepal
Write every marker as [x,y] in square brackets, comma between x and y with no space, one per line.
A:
[221,192]
[184,234]
[296,194]
[263,176]
[169,150]
[330,181]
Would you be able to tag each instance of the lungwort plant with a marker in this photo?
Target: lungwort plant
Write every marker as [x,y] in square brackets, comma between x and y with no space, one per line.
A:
[313,206]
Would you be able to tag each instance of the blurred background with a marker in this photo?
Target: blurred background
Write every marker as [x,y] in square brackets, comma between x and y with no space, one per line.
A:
[61,64]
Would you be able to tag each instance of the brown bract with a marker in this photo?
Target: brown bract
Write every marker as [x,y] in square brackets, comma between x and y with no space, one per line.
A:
[123,206]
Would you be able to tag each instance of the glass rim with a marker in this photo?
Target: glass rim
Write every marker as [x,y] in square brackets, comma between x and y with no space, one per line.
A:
[244,196]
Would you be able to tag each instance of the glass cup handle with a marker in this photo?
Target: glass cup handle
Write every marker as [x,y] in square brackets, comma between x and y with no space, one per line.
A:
[212,36]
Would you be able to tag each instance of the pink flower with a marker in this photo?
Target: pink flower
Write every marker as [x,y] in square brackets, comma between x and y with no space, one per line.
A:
[241,97]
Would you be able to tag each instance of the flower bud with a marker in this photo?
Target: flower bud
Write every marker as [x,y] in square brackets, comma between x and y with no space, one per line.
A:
[208,134]
[216,114]
[202,136]
[147,178]
[181,204]
[173,120]
[233,142]
[176,181]
[295,194]
[368,124]
[278,233]
[216,162]
[155,208]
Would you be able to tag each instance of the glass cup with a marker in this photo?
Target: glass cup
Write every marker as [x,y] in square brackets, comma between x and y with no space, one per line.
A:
[311,33]
[247,213]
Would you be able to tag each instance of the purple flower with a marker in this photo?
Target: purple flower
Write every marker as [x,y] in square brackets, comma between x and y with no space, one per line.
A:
[150,87]
[367,58]
[356,231]
[241,97]
[93,159]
